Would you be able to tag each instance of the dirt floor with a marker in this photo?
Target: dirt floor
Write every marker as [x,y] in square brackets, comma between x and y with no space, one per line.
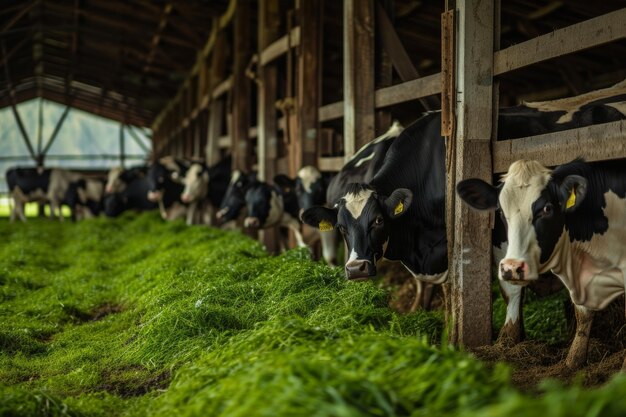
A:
[533,361]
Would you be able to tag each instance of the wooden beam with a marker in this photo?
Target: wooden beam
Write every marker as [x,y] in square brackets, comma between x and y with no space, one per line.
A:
[397,53]
[410,90]
[267,141]
[358,74]
[137,140]
[470,256]
[594,143]
[241,87]
[308,82]
[16,18]
[330,164]
[56,130]
[280,47]
[215,123]
[330,111]
[587,34]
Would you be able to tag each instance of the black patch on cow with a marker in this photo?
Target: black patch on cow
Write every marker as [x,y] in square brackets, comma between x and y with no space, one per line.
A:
[235,197]
[589,218]
[548,221]
[219,179]
[258,198]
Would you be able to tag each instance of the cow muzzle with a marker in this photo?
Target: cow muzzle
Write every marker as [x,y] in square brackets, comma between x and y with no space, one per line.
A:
[251,222]
[515,271]
[185,198]
[359,269]
[155,196]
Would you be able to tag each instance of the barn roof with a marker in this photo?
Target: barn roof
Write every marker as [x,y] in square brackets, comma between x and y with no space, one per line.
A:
[121,59]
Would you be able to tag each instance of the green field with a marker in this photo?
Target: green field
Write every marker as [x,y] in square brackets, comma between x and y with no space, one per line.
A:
[135,317]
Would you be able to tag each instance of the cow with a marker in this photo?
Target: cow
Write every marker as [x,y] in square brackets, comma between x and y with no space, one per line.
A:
[130,191]
[268,206]
[118,178]
[60,180]
[26,185]
[570,221]
[204,190]
[85,198]
[234,201]
[166,177]
[400,213]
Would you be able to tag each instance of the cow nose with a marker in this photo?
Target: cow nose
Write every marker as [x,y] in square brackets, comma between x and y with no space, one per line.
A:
[185,198]
[513,270]
[251,222]
[359,269]
[108,189]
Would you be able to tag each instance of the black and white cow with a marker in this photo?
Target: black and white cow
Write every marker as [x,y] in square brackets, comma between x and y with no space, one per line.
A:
[234,201]
[85,198]
[399,214]
[166,178]
[268,206]
[571,221]
[26,185]
[204,190]
[134,186]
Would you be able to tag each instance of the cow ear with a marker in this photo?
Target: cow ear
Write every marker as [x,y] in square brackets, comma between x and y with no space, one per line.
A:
[478,194]
[573,192]
[398,202]
[284,181]
[321,218]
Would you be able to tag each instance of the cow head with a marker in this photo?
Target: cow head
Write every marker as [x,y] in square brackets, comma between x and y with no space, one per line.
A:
[364,219]
[265,206]
[309,185]
[196,183]
[157,177]
[234,199]
[115,183]
[533,206]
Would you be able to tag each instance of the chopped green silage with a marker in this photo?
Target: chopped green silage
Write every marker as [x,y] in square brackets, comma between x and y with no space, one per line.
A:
[135,317]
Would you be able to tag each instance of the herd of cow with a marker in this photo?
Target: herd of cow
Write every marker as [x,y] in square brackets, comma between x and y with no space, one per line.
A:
[388,201]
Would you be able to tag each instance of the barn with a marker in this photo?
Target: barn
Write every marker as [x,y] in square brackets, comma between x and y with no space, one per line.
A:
[141,314]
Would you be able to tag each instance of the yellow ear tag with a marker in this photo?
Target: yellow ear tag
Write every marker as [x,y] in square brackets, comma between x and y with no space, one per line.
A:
[399,208]
[325,226]
[571,201]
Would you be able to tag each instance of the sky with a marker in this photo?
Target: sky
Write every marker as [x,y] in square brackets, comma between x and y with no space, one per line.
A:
[81,134]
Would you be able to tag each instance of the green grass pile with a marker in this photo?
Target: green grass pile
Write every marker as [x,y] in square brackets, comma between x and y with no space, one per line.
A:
[135,317]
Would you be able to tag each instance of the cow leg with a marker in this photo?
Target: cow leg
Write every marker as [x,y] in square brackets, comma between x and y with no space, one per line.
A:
[513,330]
[577,354]
[294,225]
[191,213]
[329,247]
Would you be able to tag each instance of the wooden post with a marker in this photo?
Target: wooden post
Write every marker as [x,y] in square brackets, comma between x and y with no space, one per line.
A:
[122,150]
[216,116]
[470,260]
[308,86]
[358,74]
[240,120]
[267,142]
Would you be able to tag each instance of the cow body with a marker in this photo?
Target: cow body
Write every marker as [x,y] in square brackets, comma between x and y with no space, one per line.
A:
[134,186]
[204,190]
[85,198]
[27,185]
[268,206]
[166,185]
[570,221]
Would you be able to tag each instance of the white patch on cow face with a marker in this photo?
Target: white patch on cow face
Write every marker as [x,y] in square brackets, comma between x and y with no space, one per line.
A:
[276,210]
[523,185]
[355,203]
[353,256]
[308,175]
[571,105]
[195,183]
[114,183]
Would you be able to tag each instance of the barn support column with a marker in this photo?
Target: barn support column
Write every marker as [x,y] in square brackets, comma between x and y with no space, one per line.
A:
[470,156]
[267,145]
[308,86]
[122,144]
[358,74]
[216,108]
[240,120]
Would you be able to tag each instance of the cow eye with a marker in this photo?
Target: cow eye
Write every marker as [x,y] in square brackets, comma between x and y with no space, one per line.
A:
[378,221]
[547,210]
